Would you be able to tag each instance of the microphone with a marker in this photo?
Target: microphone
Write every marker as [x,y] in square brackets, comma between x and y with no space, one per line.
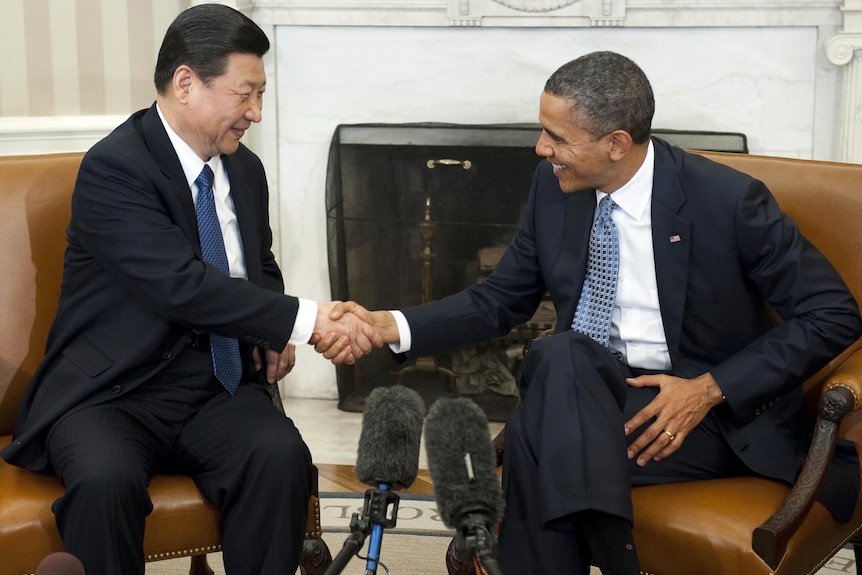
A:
[387,458]
[462,464]
[60,563]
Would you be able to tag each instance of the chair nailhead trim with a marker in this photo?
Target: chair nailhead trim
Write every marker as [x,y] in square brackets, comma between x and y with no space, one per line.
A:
[183,553]
[848,388]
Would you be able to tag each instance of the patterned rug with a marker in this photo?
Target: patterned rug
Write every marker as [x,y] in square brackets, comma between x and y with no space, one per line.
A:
[415,546]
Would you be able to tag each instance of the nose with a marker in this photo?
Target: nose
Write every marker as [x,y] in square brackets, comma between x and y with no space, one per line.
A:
[255,111]
[544,146]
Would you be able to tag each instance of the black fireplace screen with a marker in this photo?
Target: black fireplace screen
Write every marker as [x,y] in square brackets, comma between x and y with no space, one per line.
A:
[417,212]
[420,211]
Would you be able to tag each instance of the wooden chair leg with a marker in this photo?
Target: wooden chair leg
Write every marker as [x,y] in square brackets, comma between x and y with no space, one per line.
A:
[199,565]
[857,551]
[315,557]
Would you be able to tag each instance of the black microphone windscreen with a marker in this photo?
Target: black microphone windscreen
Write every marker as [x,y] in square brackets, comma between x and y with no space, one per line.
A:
[60,563]
[461,460]
[388,450]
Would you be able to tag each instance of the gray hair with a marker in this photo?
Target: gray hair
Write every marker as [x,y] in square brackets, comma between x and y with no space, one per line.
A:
[607,92]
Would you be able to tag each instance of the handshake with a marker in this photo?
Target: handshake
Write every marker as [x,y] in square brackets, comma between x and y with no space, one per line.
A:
[345,331]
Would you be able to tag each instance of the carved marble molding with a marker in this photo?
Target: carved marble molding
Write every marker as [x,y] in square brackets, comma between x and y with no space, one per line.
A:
[546,13]
[536,5]
[537,12]
[842,46]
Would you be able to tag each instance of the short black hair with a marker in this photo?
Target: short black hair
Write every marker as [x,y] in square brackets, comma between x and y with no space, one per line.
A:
[607,92]
[203,37]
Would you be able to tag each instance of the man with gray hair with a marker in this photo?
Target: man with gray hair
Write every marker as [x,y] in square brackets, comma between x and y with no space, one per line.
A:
[665,364]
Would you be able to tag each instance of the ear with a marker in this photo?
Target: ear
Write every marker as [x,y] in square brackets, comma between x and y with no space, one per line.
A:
[182,83]
[620,144]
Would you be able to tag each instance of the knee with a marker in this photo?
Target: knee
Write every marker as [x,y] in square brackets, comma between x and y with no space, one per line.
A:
[284,454]
[558,345]
[103,491]
[548,358]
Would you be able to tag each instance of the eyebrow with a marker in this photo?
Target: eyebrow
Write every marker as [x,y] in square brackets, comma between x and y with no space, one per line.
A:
[252,84]
[553,134]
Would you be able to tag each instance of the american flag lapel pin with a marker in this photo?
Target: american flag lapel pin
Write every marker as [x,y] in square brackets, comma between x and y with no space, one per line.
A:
[675,238]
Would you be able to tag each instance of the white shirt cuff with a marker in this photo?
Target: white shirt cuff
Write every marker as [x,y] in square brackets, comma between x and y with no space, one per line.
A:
[303,327]
[404,343]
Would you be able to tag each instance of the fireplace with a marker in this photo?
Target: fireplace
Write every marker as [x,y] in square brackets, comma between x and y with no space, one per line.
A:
[420,211]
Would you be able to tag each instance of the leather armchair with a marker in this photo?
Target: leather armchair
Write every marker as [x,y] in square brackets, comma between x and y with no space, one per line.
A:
[753,525]
[35,194]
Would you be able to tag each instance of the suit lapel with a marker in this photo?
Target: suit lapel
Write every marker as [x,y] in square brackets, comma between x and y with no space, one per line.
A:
[671,246]
[571,266]
[248,220]
[180,196]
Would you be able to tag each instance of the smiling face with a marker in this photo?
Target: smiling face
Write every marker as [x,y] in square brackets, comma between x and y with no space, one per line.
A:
[215,116]
[580,160]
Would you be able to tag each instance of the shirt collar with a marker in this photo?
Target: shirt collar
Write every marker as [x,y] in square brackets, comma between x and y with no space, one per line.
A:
[634,197]
[189,160]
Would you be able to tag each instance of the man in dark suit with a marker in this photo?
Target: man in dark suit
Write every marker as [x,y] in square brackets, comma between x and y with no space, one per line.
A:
[134,379]
[692,378]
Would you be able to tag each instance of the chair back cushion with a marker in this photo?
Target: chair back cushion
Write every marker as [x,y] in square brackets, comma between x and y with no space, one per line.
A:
[35,204]
[823,198]
[825,201]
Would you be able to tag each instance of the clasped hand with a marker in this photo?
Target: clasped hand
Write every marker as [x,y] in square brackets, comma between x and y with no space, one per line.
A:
[679,407]
[343,333]
[378,327]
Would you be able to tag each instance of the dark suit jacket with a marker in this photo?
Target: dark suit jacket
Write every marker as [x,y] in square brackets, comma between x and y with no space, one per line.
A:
[134,283]
[737,250]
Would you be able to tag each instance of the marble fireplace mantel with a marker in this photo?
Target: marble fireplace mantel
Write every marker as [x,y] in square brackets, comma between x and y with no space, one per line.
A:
[788,73]
[524,13]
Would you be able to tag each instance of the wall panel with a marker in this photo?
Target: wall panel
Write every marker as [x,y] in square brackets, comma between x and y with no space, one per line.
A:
[80,57]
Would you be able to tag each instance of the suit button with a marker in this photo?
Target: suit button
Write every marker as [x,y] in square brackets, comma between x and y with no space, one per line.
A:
[117,389]
[167,355]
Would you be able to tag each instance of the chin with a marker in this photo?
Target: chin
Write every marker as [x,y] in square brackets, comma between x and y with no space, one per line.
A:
[567,186]
[229,149]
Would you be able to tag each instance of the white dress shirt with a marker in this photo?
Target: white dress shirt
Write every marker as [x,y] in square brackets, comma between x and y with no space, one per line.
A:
[192,166]
[636,326]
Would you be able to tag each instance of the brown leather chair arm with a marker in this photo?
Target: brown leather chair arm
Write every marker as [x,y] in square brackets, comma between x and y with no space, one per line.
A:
[840,397]
[849,376]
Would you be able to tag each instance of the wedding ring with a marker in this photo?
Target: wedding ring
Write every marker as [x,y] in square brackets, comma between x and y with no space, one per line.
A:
[669,434]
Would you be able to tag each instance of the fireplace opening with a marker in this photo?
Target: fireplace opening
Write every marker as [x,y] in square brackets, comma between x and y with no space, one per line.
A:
[420,211]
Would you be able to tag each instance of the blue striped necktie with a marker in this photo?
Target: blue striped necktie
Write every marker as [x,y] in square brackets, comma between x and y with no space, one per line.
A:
[227,364]
[593,315]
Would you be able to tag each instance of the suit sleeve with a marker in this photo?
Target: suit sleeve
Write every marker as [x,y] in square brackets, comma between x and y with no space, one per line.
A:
[819,317]
[508,297]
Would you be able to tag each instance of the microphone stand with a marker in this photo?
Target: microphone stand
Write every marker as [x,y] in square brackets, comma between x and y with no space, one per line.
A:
[476,537]
[379,511]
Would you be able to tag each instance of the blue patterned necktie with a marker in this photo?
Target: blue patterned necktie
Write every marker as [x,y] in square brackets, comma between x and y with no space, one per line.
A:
[593,315]
[225,350]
